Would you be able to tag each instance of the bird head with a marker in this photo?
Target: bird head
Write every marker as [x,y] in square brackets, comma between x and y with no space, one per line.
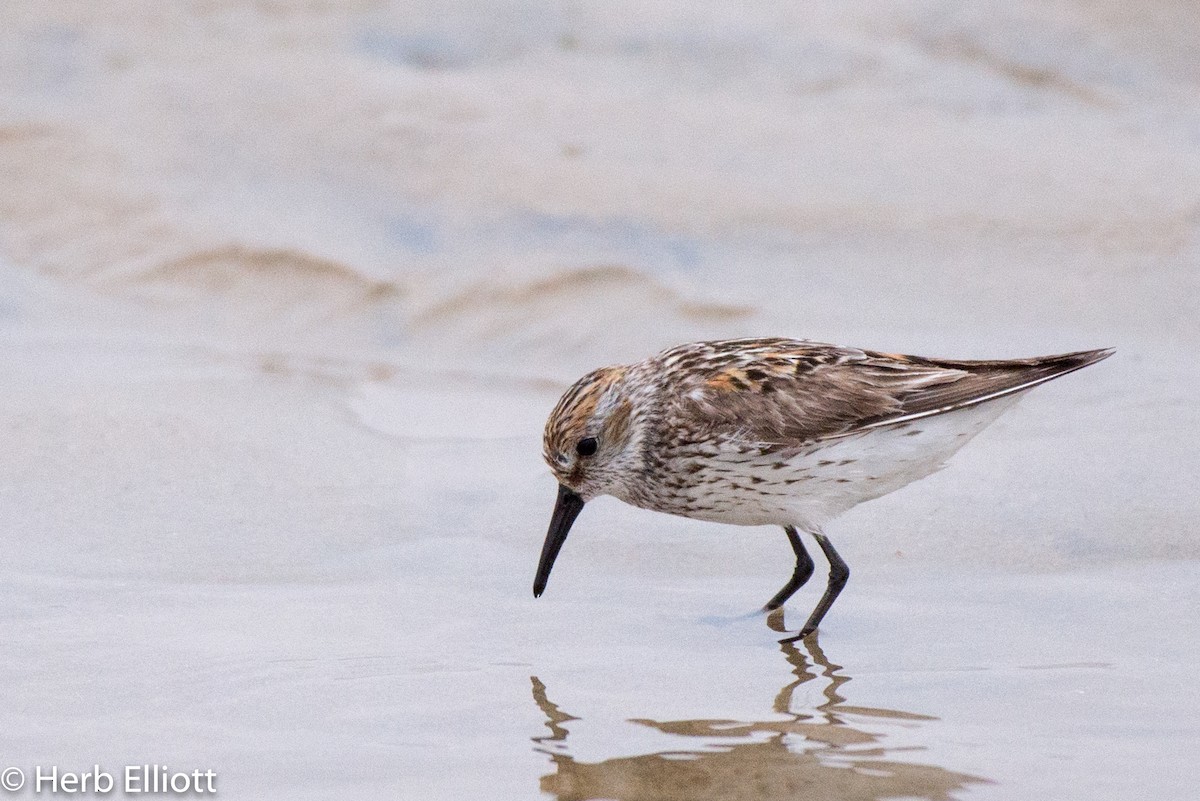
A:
[590,446]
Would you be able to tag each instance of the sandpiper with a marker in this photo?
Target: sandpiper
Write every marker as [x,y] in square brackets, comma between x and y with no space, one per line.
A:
[772,431]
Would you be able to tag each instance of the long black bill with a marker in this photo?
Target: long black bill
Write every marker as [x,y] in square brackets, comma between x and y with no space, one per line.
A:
[566,509]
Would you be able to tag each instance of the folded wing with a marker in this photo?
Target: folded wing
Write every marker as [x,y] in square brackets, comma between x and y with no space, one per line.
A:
[782,393]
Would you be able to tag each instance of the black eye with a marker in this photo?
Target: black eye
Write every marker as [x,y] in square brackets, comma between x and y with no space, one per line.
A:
[587,446]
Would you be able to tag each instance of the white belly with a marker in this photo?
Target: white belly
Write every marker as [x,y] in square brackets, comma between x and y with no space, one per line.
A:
[820,483]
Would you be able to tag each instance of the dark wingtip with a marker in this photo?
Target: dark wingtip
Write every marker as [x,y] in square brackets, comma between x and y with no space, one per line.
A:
[1097,355]
[1070,362]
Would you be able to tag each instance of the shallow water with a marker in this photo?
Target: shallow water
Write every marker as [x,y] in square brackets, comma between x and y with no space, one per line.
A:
[287,289]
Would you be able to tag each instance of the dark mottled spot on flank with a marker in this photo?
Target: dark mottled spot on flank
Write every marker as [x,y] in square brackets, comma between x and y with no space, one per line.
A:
[913,433]
[756,375]
[693,468]
[767,387]
[779,465]
[843,481]
[845,462]
[755,480]
[824,463]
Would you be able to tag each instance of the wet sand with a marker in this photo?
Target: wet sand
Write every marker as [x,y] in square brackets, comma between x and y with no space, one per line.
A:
[287,290]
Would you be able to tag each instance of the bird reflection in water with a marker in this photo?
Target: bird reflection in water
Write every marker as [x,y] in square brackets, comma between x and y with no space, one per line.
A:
[817,753]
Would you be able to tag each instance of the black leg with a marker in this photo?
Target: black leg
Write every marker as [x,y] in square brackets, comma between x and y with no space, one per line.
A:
[804,570]
[839,573]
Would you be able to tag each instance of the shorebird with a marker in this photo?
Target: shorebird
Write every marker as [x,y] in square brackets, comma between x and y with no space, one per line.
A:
[772,431]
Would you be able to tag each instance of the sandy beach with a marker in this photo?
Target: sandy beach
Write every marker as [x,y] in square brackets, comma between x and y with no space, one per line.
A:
[287,290]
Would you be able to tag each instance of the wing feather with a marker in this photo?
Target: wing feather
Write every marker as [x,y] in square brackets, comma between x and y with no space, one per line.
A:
[783,393]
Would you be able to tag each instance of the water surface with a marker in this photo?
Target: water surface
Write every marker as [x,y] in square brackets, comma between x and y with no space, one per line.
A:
[287,290]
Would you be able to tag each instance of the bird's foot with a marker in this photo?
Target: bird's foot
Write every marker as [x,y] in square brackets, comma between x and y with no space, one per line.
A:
[798,637]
